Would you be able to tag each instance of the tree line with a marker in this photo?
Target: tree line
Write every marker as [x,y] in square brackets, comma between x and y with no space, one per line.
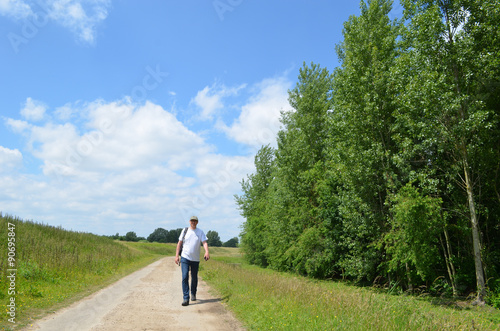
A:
[387,169]
[172,236]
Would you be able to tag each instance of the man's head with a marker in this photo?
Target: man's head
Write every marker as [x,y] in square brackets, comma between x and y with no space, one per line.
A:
[193,221]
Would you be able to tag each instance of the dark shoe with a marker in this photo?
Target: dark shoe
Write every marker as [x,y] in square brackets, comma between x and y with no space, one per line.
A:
[185,303]
[193,297]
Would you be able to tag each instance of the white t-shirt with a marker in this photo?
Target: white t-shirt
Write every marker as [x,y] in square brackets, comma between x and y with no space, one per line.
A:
[192,243]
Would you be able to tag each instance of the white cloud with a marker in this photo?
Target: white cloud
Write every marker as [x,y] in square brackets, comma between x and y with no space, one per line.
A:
[65,112]
[82,17]
[115,136]
[52,141]
[18,126]
[33,110]
[79,16]
[210,99]
[259,120]
[17,9]
[208,103]
[9,158]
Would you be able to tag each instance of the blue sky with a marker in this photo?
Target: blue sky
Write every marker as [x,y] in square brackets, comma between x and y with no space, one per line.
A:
[122,116]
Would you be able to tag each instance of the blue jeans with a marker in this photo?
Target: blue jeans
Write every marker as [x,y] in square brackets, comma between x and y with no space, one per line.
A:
[185,265]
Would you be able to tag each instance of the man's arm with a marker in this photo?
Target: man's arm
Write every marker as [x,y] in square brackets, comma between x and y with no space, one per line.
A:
[207,254]
[177,258]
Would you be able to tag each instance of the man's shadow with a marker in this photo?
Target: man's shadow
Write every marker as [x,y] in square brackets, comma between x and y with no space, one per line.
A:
[202,301]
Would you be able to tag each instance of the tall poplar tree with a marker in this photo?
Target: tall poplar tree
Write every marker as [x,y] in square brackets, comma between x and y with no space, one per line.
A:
[300,165]
[254,206]
[361,145]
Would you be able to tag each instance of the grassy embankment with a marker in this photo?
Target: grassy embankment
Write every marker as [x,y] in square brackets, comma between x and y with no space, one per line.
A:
[267,300]
[56,267]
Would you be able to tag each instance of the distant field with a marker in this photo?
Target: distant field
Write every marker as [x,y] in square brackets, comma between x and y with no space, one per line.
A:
[56,267]
[264,299]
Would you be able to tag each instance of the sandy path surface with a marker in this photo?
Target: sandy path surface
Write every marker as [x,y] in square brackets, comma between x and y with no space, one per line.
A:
[148,299]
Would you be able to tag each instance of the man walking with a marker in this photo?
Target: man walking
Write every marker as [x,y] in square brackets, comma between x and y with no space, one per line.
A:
[191,240]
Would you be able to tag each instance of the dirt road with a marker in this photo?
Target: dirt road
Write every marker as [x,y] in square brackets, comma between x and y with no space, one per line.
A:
[149,299]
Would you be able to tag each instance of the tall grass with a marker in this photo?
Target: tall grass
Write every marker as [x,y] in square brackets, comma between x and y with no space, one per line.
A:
[56,266]
[56,249]
[264,300]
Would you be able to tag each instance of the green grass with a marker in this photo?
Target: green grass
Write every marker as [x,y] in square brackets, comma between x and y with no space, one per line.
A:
[267,300]
[226,254]
[152,248]
[56,267]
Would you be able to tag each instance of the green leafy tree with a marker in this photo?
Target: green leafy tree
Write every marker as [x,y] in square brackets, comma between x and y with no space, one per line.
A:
[361,147]
[283,193]
[300,167]
[233,242]
[213,239]
[254,206]
[414,240]
[131,236]
[446,114]
[173,235]
[158,235]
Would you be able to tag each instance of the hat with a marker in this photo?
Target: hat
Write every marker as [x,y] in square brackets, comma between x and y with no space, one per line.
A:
[194,218]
